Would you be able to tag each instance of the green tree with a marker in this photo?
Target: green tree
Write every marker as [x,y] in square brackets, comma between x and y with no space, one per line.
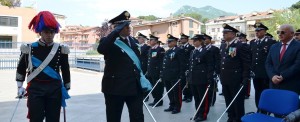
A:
[203,27]
[296,5]
[11,3]
[148,18]
[283,17]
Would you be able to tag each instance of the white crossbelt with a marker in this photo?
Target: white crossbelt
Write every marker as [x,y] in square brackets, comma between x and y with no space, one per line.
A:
[44,63]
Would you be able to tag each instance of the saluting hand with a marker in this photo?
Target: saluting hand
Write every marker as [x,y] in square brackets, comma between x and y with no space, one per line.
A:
[118,28]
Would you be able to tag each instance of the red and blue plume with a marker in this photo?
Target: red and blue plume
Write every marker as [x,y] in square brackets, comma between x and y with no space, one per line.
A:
[44,20]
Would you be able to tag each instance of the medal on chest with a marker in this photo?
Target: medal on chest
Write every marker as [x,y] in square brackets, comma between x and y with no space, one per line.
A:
[232,51]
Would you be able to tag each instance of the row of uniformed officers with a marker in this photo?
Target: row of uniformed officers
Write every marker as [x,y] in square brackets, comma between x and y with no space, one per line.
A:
[198,66]
[192,68]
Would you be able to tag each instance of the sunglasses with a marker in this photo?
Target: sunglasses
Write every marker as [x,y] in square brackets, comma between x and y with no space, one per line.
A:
[281,32]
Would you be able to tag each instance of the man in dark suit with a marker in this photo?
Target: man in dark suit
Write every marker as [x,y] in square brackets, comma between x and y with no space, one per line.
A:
[200,76]
[216,58]
[283,61]
[121,79]
[172,71]
[259,52]
[235,70]
[155,59]
[187,49]
[144,48]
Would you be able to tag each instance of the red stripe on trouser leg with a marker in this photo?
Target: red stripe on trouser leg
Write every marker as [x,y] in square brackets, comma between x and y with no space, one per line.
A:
[249,88]
[27,93]
[206,107]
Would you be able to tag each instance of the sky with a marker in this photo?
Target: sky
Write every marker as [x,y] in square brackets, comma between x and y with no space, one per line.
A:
[94,12]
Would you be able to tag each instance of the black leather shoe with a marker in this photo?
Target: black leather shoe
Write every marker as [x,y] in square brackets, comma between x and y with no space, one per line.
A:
[184,99]
[175,111]
[246,97]
[168,109]
[221,93]
[202,119]
[159,104]
[151,104]
[146,100]
[188,100]
[199,119]
[230,120]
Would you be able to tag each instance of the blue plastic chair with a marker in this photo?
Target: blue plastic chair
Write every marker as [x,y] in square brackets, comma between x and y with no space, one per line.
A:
[279,102]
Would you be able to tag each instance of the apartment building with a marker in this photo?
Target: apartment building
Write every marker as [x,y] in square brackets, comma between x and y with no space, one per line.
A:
[165,26]
[243,23]
[14,26]
[79,37]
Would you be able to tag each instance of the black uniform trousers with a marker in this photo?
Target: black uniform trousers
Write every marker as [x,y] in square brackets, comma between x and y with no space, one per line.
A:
[44,100]
[260,84]
[247,88]
[237,109]
[213,92]
[187,92]
[198,93]
[115,103]
[158,91]
[175,95]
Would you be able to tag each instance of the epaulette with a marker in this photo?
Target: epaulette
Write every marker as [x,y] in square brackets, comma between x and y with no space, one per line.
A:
[64,49]
[25,48]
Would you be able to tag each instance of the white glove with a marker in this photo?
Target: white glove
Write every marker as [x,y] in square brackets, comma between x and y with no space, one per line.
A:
[21,92]
[21,89]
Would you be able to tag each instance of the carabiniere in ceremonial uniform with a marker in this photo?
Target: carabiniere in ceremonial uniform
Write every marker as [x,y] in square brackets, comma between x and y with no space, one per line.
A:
[155,60]
[259,51]
[187,49]
[235,72]
[44,90]
[200,76]
[172,71]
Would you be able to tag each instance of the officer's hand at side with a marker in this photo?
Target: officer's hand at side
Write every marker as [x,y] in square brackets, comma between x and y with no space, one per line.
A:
[67,86]
[118,28]
[21,92]
[245,82]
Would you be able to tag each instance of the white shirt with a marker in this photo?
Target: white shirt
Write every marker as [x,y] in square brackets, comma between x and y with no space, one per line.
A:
[287,45]
[260,39]
[127,40]
[208,46]
[199,48]
[185,45]
[154,47]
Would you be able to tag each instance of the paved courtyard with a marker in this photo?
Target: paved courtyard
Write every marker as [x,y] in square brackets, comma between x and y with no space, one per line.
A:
[87,102]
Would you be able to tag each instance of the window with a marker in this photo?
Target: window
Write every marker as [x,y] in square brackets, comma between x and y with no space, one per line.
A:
[213,30]
[191,23]
[6,42]
[8,21]
[215,37]
[218,29]
[191,33]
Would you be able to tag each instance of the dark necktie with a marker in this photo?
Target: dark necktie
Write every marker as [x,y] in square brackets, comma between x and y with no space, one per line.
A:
[282,51]
[258,42]
[126,42]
